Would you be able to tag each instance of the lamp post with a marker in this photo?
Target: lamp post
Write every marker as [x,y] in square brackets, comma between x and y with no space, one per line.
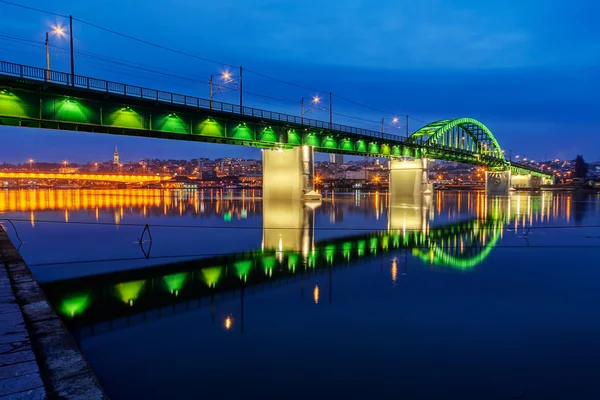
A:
[315,100]
[226,78]
[330,110]
[58,31]
[31,164]
[47,58]
[71,50]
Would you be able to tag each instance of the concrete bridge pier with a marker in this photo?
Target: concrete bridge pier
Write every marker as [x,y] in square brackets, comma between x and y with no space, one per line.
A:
[497,182]
[409,178]
[525,181]
[288,174]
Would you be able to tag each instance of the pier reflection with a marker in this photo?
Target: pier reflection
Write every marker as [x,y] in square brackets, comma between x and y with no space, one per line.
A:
[466,230]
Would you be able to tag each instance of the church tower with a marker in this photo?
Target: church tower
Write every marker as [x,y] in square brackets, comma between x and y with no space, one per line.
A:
[116,156]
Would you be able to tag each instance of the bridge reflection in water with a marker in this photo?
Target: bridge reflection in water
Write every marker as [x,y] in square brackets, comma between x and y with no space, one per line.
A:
[290,253]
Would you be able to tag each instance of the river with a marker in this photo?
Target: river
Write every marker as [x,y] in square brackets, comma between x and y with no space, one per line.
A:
[219,294]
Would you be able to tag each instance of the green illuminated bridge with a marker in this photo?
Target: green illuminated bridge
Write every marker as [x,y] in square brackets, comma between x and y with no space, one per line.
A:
[37,98]
[87,301]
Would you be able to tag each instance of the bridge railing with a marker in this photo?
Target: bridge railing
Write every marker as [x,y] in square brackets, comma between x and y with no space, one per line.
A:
[85,82]
[529,167]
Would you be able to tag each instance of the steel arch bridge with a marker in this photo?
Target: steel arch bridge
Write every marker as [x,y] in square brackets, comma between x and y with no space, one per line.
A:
[460,134]
[36,98]
[470,141]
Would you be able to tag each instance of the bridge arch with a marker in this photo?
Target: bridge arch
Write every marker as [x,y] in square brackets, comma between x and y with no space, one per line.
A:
[466,134]
[463,250]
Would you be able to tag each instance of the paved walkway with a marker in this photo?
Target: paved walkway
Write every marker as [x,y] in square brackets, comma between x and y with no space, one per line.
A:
[19,372]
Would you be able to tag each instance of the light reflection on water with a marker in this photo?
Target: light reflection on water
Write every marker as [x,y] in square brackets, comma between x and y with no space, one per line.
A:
[360,269]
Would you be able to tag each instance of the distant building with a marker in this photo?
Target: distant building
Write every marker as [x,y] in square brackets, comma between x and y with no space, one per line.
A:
[337,159]
[116,156]
[352,174]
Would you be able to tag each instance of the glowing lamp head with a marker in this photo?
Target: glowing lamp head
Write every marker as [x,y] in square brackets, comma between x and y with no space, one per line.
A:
[316,99]
[226,76]
[395,120]
[58,30]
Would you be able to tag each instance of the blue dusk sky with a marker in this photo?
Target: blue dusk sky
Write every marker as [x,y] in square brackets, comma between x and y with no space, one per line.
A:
[528,69]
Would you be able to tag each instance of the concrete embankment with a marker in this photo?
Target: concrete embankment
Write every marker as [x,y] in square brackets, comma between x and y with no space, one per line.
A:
[38,357]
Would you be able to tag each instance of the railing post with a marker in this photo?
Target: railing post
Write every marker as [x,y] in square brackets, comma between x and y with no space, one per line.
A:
[106,85]
[21,70]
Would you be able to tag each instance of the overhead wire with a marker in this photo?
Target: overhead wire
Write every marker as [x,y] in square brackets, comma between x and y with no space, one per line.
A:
[187,54]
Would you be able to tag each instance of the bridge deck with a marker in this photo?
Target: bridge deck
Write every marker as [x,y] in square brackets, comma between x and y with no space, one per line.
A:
[101,106]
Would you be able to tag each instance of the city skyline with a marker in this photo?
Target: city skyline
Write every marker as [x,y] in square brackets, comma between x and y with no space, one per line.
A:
[523,88]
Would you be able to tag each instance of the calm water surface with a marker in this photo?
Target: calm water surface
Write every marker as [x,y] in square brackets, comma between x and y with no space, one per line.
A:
[364,294]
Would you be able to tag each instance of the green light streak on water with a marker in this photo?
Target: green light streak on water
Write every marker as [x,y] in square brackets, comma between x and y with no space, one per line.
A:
[175,282]
[346,249]
[361,244]
[212,275]
[311,259]
[385,242]
[129,291]
[396,240]
[74,305]
[227,216]
[329,253]
[243,269]
[293,261]
[268,265]
[373,244]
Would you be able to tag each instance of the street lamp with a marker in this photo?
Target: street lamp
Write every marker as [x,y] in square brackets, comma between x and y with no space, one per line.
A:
[394,122]
[30,164]
[60,31]
[226,78]
[315,100]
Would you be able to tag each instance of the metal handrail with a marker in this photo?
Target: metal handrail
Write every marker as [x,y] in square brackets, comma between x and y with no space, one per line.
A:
[24,71]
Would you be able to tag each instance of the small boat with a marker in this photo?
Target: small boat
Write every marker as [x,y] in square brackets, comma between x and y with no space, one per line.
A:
[312,195]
